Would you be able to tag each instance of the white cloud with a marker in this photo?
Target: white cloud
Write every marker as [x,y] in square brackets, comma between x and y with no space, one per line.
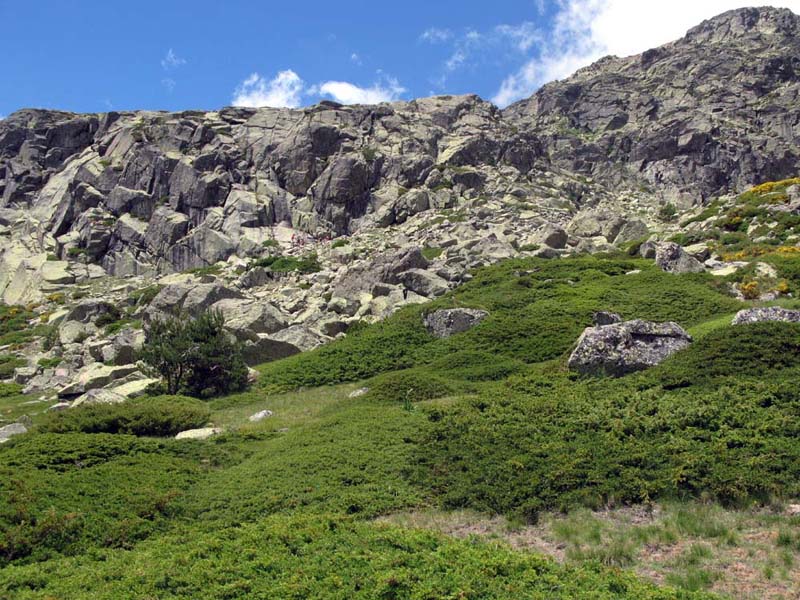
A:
[171,61]
[169,84]
[285,90]
[355,58]
[435,35]
[522,36]
[348,93]
[585,30]
[473,46]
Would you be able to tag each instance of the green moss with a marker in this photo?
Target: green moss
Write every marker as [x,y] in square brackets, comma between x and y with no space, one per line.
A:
[431,253]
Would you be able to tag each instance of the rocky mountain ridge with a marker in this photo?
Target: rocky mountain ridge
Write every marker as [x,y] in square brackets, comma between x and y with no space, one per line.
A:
[300,223]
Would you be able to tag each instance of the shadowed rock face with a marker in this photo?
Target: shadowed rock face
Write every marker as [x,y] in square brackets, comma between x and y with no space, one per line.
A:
[622,348]
[154,192]
[717,110]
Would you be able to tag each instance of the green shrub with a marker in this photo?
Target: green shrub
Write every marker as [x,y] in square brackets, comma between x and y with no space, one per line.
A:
[475,365]
[714,421]
[340,243]
[9,362]
[369,154]
[14,324]
[107,318]
[10,389]
[318,557]
[668,212]
[68,493]
[150,416]
[747,350]
[431,253]
[287,264]
[195,356]
[413,385]
[49,363]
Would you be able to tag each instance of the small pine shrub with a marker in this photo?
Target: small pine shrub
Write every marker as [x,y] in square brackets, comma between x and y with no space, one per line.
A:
[195,356]
[157,416]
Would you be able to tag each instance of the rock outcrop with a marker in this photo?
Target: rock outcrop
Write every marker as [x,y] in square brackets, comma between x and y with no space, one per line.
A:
[443,323]
[621,348]
[769,313]
[145,192]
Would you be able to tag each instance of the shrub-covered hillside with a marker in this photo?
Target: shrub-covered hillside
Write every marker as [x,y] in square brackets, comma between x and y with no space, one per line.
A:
[98,503]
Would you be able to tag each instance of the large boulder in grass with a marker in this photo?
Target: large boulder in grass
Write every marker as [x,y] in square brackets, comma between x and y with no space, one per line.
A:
[446,322]
[672,258]
[621,348]
[9,431]
[768,313]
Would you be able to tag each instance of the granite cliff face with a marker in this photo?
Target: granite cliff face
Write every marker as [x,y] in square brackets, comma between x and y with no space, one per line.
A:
[148,192]
[713,112]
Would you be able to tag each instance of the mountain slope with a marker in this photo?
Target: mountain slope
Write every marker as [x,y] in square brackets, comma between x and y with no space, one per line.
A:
[141,192]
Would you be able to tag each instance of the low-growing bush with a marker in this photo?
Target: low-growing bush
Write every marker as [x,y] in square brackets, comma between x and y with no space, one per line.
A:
[747,350]
[473,365]
[286,264]
[412,385]
[10,389]
[49,363]
[9,362]
[158,416]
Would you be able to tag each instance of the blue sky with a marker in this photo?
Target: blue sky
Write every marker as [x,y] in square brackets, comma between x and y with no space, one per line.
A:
[92,56]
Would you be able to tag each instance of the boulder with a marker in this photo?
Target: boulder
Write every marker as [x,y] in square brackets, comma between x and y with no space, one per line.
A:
[259,416]
[124,346]
[72,332]
[98,396]
[9,431]
[246,318]
[192,298]
[699,251]
[300,337]
[23,375]
[265,349]
[621,348]
[769,313]
[551,236]
[670,257]
[445,322]
[96,375]
[384,268]
[603,317]
[133,389]
[198,434]
[424,282]
[88,310]
[57,272]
